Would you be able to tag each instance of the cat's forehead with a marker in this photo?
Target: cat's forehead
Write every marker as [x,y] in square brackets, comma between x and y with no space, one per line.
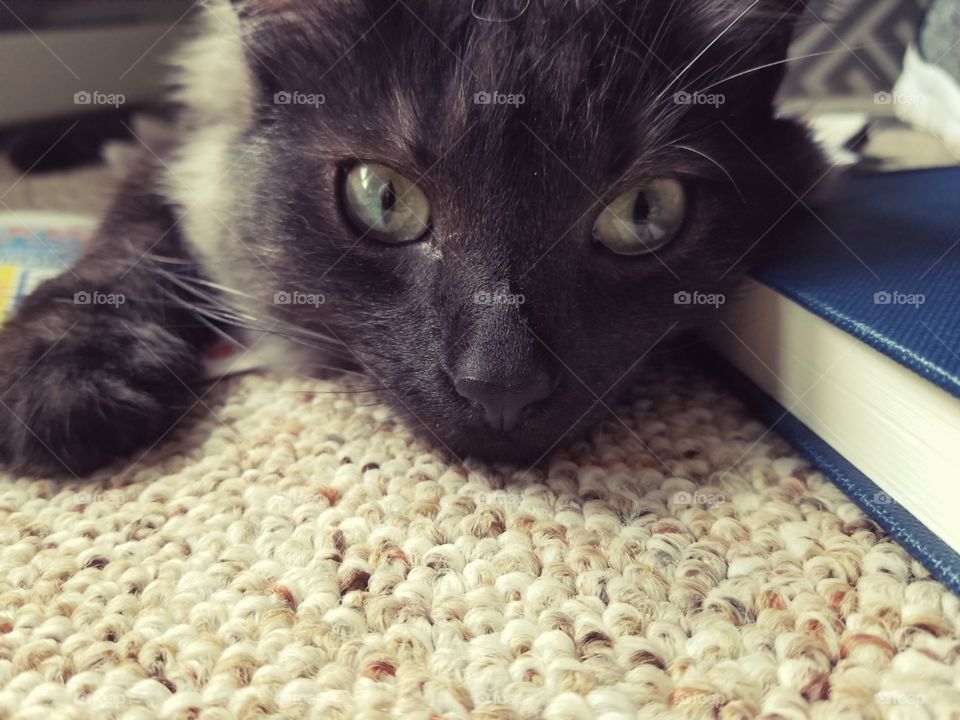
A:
[431,47]
[497,90]
[425,75]
[575,65]
[489,36]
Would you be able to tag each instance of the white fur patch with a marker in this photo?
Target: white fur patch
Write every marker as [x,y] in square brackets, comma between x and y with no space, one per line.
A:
[219,92]
[216,79]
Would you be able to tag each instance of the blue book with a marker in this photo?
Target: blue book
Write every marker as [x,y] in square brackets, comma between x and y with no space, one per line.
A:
[851,334]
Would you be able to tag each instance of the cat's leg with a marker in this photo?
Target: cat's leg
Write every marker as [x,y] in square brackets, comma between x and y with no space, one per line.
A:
[101,360]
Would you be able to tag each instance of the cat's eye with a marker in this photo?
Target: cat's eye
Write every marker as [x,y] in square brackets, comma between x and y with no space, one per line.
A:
[642,220]
[384,204]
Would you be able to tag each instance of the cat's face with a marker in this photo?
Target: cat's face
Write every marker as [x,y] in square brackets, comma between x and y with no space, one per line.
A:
[509,315]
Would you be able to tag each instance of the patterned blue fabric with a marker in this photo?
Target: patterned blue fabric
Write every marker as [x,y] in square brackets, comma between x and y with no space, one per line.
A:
[882,262]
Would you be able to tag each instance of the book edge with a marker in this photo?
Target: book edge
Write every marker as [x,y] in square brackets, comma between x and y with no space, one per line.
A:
[898,353]
[925,546]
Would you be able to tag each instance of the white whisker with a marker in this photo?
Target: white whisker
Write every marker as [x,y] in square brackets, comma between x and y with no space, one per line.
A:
[722,168]
[788,60]
[704,51]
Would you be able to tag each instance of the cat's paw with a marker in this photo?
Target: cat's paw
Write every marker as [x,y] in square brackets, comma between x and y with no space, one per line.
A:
[77,392]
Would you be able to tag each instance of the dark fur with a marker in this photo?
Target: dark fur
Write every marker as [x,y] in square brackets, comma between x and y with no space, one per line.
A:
[83,384]
[513,192]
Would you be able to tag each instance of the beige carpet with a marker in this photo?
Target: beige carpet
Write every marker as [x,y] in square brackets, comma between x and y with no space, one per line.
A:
[299,555]
[292,552]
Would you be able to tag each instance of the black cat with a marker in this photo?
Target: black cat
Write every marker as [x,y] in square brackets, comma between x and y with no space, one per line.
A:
[494,209]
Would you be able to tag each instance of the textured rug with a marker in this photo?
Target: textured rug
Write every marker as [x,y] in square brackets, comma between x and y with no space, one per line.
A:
[292,552]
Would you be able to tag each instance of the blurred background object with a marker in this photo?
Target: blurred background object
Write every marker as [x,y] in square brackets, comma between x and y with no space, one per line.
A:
[62,57]
[847,62]
[73,72]
[851,50]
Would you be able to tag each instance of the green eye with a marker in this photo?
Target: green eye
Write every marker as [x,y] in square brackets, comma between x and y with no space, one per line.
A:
[643,220]
[385,205]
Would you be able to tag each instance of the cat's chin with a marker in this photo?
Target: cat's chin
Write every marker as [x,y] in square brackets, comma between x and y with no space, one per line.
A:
[526,447]
[452,424]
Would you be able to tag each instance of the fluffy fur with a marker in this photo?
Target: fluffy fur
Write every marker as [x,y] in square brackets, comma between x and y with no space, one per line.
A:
[248,205]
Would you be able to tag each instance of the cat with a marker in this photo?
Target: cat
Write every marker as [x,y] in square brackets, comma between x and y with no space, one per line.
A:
[494,210]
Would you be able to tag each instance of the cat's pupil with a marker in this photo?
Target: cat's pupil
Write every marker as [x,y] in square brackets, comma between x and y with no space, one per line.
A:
[641,209]
[388,198]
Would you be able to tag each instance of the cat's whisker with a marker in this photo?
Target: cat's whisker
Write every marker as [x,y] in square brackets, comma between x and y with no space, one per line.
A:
[229,315]
[734,59]
[223,259]
[216,312]
[721,167]
[333,352]
[352,391]
[795,58]
[185,284]
[225,315]
[321,393]
[221,288]
[221,332]
[156,257]
[703,52]
[292,330]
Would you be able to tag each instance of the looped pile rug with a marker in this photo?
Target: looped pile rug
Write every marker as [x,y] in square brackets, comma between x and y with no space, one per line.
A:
[293,552]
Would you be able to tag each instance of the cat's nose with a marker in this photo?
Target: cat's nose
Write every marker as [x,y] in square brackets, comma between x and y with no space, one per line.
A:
[504,403]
